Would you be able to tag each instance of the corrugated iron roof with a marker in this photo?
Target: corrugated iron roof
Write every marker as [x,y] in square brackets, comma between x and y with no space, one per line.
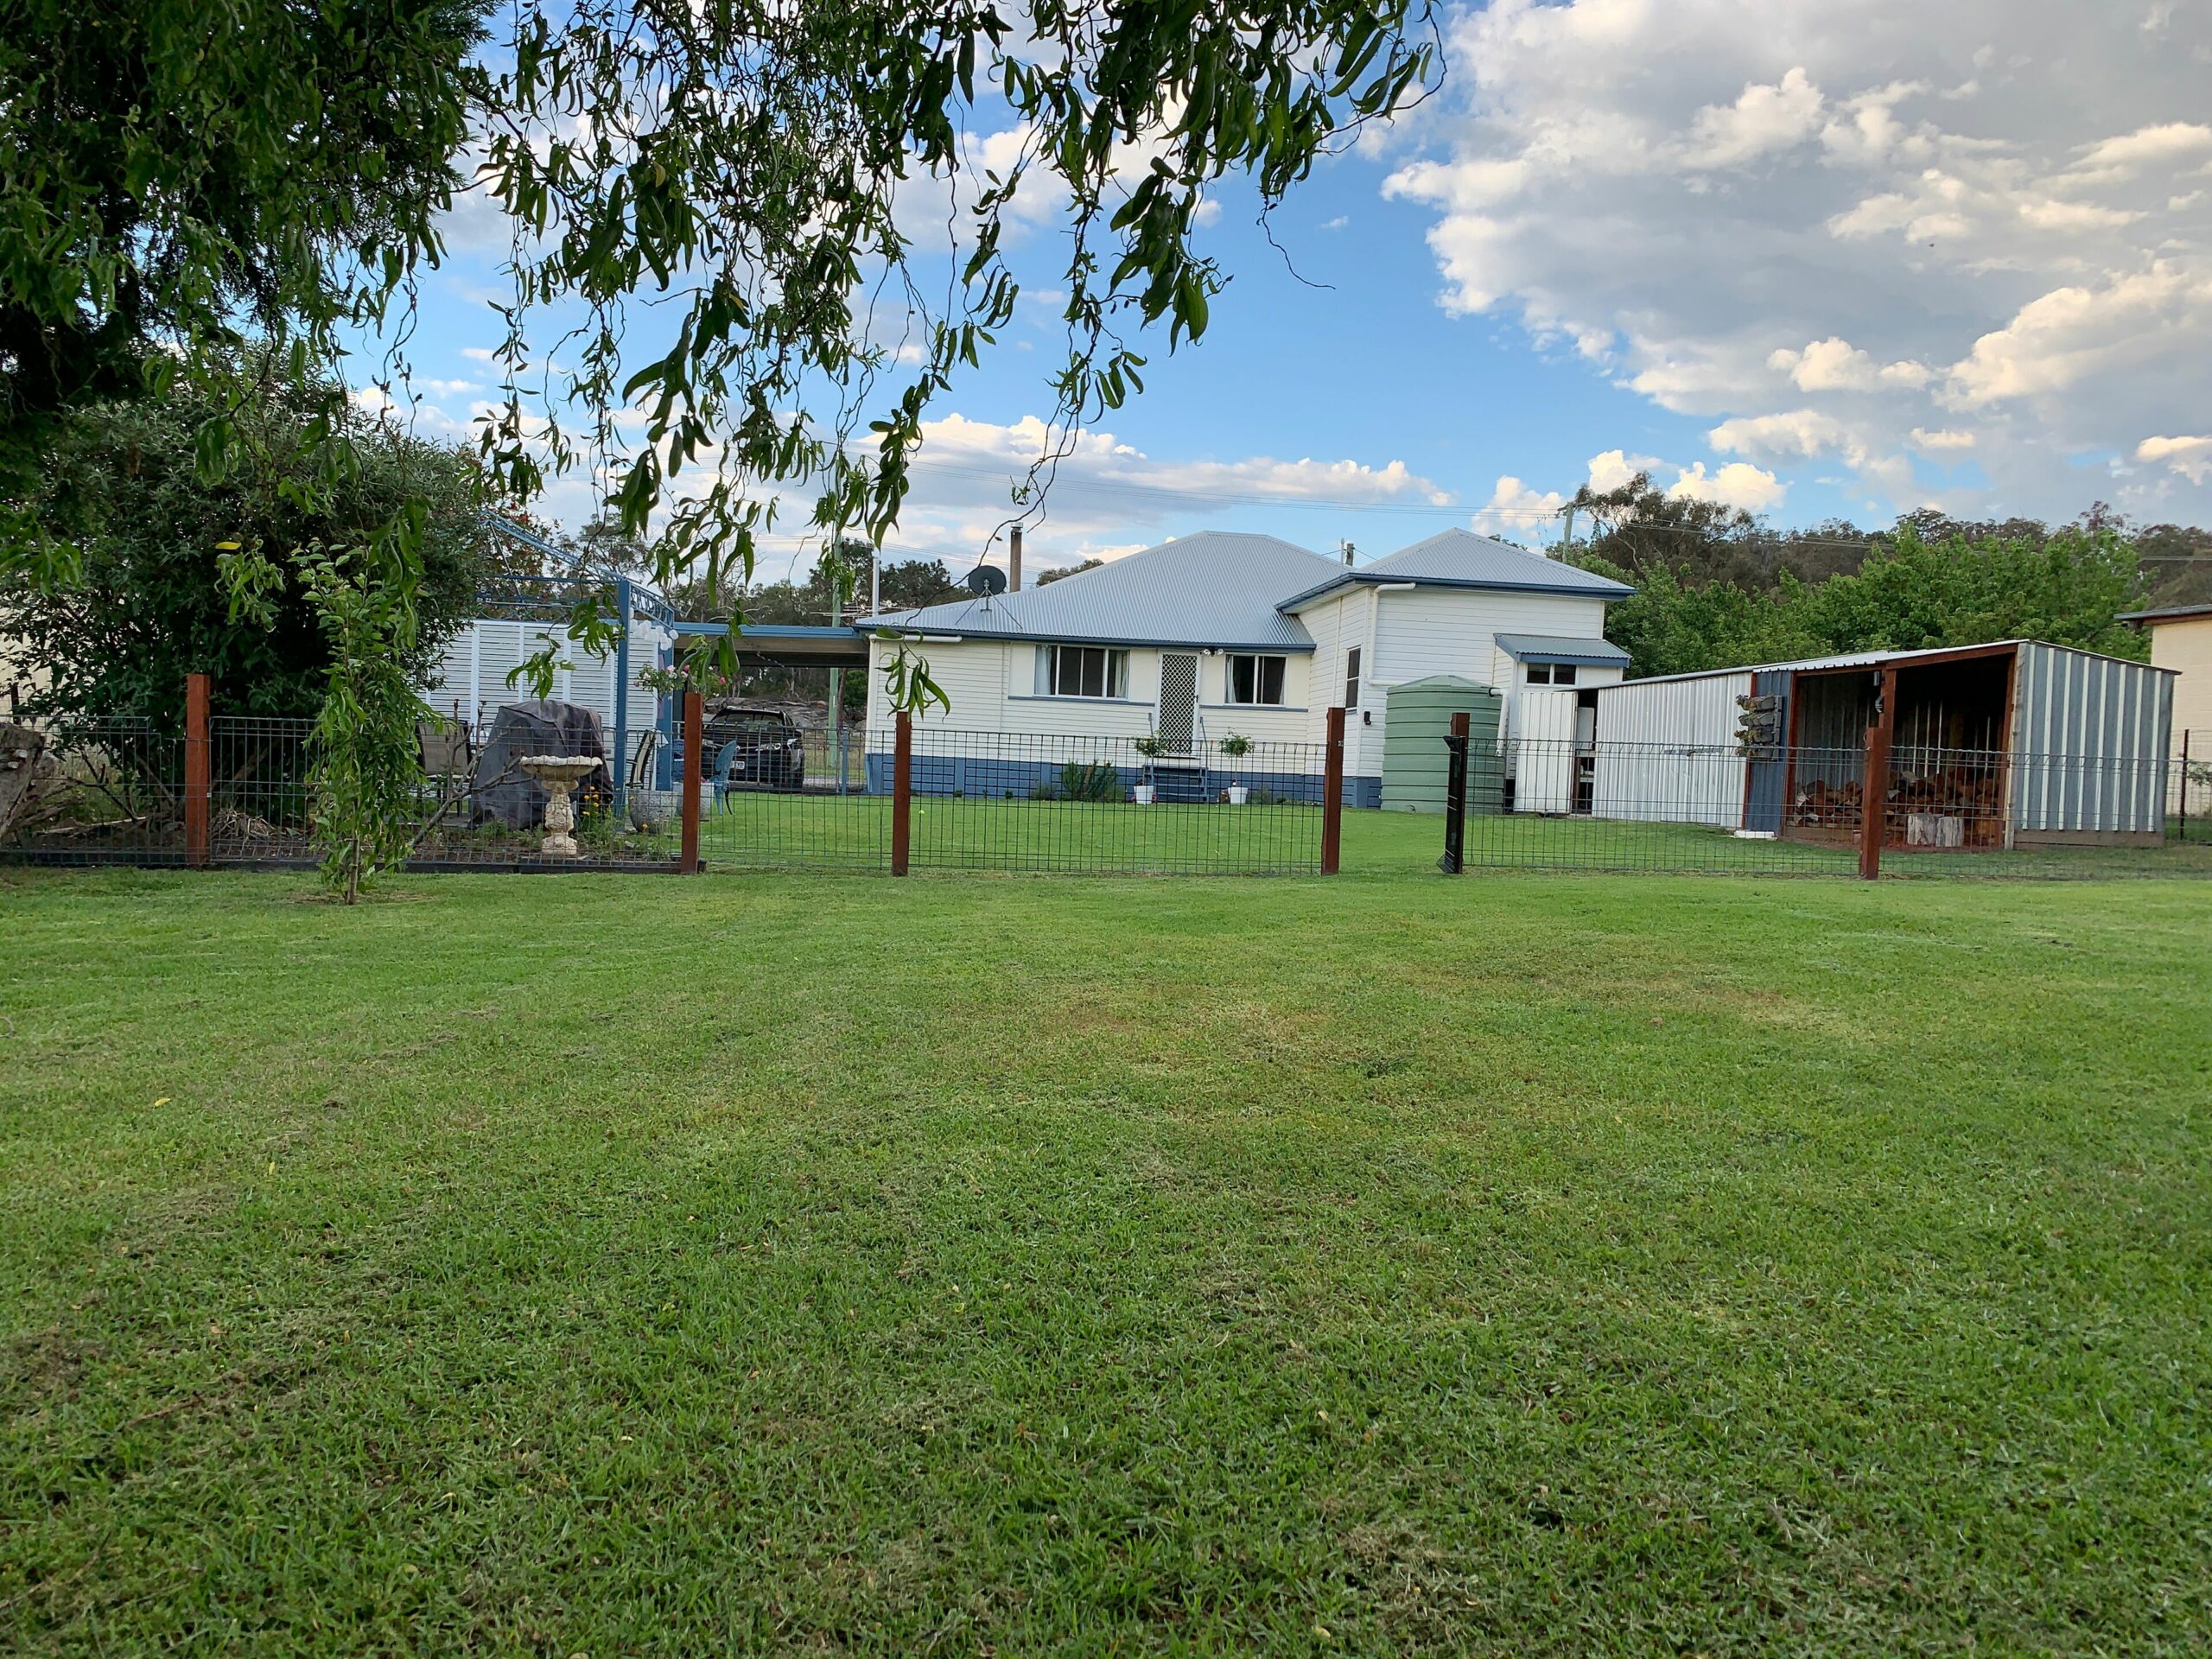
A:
[2167,614]
[1460,558]
[1562,648]
[1217,588]
[1885,659]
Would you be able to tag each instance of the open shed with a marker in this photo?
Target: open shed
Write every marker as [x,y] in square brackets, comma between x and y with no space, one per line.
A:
[2013,743]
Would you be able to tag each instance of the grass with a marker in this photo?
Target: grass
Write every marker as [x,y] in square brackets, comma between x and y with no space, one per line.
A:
[813,829]
[1512,1265]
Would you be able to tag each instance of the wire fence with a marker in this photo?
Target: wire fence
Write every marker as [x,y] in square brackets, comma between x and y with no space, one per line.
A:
[1804,811]
[982,800]
[86,789]
[115,791]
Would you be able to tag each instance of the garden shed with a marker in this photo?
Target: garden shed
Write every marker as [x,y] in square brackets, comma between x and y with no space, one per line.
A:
[2014,743]
[1414,759]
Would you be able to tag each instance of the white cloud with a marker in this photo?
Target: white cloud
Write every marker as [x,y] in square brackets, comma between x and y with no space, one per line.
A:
[1764,212]
[1738,484]
[479,354]
[2190,457]
[1941,442]
[1514,500]
[1764,119]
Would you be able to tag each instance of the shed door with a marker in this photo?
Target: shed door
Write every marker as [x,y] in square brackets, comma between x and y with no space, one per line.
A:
[1178,699]
[1543,778]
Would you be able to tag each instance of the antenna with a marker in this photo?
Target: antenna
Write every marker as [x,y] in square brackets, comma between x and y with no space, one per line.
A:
[984,581]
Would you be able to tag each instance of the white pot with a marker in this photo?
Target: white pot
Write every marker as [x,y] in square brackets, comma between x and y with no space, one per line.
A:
[1237,793]
[1143,793]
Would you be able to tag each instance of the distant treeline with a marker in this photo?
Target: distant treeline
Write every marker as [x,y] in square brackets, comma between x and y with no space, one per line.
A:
[1716,588]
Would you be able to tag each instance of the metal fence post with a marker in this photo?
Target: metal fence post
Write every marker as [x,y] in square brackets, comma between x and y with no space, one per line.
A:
[2181,831]
[1874,788]
[1455,796]
[694,772]
[1332,793]
[902,792]
[197,771]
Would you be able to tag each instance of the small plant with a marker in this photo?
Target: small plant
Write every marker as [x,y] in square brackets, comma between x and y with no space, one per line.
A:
[1235,745]
[1151,747]
[1261,795]
[1092,780]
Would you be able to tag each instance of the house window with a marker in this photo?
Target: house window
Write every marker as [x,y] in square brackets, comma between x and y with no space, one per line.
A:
[1551,673]
[1256,679]
[1081,672]
[1351,677]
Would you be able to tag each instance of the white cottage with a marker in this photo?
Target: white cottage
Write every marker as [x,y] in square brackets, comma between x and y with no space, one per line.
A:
[1220,634]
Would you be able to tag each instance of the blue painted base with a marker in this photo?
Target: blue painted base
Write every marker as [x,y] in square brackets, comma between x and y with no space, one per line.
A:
[988,777]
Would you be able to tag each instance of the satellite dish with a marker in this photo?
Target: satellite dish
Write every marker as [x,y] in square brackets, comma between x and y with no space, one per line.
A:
[984,581]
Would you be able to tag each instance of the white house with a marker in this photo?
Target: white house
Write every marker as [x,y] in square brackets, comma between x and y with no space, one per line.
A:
[1220,634]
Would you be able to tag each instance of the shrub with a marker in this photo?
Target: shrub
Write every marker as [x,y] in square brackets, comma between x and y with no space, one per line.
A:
[1091,781]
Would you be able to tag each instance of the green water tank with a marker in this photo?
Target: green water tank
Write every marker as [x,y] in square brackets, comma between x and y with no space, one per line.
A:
[1418,718]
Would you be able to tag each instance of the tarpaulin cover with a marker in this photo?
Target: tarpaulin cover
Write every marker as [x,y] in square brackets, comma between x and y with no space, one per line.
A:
[504,789]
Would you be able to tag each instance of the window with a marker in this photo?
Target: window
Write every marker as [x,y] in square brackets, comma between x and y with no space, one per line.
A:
[1551,673]
[1351,677]
[1256,679]
[1081,672]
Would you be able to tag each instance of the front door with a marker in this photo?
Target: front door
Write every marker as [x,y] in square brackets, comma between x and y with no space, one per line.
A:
[1178,700]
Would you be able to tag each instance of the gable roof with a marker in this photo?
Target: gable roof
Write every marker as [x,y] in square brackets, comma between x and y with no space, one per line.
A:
[1217,588]
[1460,558]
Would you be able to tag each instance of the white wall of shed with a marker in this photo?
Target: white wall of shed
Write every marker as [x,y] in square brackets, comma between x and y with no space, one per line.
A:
[1666,751]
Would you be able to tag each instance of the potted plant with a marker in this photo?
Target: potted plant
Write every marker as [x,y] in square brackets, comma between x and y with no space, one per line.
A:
[1235,747]
[1151,748]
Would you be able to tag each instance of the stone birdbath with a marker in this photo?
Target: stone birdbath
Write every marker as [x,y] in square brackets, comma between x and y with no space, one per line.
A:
[560,773]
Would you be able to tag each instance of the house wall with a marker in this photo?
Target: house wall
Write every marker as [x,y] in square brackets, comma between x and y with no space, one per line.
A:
[2185,645]
[1408,634]
[991,684]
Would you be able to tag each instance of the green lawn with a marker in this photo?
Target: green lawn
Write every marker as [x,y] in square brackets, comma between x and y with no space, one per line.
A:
[1511,1265]
[811,828]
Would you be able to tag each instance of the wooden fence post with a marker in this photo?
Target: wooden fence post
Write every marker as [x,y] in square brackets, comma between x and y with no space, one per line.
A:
[694,772]
[1332,793]
[902,792]
[1874,788]
[197,771]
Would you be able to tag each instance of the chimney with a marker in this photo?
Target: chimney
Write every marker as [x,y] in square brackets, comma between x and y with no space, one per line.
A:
[1347,550]
[1014,560]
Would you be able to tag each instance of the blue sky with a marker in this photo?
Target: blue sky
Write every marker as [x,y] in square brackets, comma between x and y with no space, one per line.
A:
[1819,260]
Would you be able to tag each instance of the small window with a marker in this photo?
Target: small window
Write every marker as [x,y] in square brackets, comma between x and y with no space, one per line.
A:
[1551,673]
[1256,679]
[1081,672]
[1351,677]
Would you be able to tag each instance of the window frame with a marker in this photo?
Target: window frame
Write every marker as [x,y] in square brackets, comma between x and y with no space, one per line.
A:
[1552,674]
[1351,676]
[1258,699]
[1113,662]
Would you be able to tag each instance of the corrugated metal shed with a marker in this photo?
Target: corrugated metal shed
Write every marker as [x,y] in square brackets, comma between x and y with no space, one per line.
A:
[1218,589]
[1563,648]
[1416,764]
[1460,558]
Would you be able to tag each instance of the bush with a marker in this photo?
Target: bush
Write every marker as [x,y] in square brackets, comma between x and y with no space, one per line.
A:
[1091,781]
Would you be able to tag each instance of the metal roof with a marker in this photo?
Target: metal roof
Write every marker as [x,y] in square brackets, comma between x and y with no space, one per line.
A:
[1885,659]
[1460,558]
[2168,613]
[1562,648]
[1217,588]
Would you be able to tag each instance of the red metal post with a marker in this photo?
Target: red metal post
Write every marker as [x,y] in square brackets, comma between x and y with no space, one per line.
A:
[197,771]
[902,792]
[1874,788]
[694,772]
[1332,793]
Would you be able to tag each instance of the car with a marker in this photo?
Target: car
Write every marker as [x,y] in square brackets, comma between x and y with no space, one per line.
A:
[755,748]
